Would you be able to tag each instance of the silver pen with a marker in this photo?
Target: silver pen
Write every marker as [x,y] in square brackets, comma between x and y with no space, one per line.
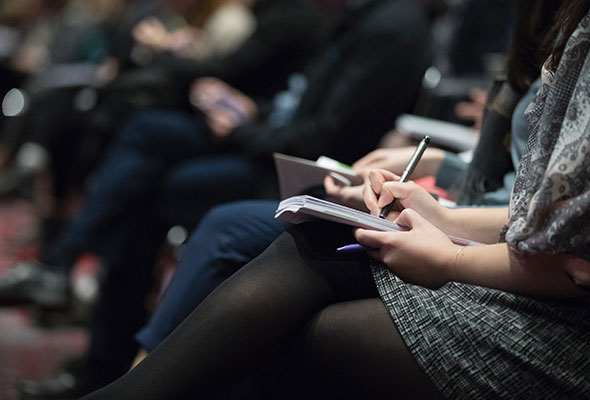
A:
[408,171]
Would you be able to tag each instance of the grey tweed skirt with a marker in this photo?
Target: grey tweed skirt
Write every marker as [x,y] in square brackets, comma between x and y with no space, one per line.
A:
[479,343]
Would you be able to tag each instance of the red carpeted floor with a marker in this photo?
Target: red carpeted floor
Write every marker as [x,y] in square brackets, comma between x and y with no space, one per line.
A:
[28,351]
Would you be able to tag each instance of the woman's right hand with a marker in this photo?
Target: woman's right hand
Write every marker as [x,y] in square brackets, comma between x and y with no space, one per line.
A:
[382,187]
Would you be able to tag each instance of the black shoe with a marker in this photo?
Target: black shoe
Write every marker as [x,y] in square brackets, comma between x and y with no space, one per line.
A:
[33,283]
[76,380]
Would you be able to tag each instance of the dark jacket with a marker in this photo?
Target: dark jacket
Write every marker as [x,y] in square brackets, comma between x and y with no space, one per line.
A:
[369,72]
[287,34]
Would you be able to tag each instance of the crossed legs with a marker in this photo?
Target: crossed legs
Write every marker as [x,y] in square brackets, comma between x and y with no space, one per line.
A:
[298,298]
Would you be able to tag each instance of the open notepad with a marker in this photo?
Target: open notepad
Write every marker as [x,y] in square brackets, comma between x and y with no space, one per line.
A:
[299,209]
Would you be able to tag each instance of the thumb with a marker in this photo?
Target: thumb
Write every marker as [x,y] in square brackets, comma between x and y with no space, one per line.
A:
[371,238]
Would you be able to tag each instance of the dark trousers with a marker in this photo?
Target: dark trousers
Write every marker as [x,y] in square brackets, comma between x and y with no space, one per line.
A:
[163,169]
[227,238]
[158,157]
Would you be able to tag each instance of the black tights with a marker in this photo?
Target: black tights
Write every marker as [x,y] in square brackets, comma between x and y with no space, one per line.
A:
[317,309]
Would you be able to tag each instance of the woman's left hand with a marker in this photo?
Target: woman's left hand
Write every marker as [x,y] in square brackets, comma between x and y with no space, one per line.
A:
[423,255]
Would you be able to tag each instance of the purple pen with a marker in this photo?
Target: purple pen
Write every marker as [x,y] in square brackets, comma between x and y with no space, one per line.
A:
[351,248]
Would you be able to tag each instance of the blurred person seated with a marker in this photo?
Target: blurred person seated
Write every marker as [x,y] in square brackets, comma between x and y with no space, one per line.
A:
[70,121]
[284,39]
[471,40]
[71,47]
[345,314]
[214,28]
[87,51]
[231,235]
[25,27]
[200,161]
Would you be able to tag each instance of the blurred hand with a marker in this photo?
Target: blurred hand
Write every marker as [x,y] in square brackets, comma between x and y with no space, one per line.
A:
[181,40]
[395,160]
[350,196]
[152,33]
[224,106]
[107,70]
[30,59]
[473,110]
[423,255]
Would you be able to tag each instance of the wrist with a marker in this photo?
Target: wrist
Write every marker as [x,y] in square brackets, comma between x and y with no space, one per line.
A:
[457,262]
[448,257]
[440,217]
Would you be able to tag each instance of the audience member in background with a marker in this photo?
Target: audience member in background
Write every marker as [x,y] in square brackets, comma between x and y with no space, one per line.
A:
[350,88]
[26,27]
[231,235]
[287,32]
[77,54]
[470,42]
[215,29]
[509,318]
[69,122]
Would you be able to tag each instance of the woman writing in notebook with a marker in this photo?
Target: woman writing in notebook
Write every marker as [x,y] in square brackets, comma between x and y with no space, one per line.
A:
[421,318]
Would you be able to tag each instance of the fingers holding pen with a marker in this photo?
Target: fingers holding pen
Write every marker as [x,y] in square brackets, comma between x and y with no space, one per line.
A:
[396,190]
[383,187]
[373,189]
[378,177]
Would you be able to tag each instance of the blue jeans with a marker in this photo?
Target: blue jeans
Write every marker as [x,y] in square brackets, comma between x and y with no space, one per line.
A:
[162,169]
[159,157]
[227,238]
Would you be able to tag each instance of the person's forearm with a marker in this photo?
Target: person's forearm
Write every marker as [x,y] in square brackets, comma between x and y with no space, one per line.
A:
[478,224]
[496,266]
[429,164]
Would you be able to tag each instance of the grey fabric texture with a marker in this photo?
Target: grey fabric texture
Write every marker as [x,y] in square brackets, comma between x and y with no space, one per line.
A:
[479,343]
[550,207]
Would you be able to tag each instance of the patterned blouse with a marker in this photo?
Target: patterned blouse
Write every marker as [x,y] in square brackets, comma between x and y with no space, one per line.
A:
[550,202]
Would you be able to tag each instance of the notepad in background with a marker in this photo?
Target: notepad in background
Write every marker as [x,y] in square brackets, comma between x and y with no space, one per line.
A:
[298,175]
[454,136]
[330,163]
